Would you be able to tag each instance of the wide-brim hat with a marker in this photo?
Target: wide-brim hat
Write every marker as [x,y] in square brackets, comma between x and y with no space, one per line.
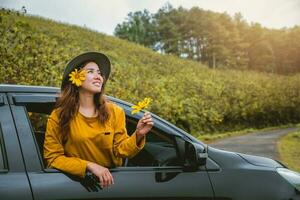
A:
[99,58]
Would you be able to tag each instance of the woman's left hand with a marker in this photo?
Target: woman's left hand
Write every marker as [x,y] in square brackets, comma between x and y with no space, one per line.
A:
[144,125]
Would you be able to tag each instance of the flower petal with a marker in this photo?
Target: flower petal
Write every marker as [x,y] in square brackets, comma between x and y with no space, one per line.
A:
[135,111]
[77,77]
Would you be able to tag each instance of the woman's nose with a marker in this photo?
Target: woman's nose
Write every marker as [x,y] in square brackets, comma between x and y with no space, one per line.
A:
[98,76]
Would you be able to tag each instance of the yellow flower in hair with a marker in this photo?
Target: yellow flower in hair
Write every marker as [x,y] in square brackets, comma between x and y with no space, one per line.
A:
[140,105]
[77,77]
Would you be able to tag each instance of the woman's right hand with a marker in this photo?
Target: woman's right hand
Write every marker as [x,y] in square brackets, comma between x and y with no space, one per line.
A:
[103,174]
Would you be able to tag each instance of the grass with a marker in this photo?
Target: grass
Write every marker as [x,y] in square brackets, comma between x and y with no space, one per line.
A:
[289,150]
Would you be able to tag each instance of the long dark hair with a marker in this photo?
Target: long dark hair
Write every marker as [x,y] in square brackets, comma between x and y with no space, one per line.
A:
[68,105]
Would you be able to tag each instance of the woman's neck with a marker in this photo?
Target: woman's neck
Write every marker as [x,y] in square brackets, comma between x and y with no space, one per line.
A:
[86,104]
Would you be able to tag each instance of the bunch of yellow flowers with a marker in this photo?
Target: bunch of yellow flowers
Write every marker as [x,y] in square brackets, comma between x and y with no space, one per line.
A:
[140,105]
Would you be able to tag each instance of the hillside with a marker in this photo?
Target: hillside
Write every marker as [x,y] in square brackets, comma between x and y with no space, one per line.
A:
[33,51]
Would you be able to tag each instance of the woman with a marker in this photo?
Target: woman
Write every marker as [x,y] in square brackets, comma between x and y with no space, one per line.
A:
[86,132]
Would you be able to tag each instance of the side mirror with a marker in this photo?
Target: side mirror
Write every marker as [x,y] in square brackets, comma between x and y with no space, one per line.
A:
[195,156]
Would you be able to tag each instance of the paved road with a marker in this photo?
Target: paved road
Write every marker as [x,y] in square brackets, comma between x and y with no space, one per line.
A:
[261,143]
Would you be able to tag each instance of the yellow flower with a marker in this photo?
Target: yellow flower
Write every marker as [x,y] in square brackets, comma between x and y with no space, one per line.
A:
[141,105]
[77,77]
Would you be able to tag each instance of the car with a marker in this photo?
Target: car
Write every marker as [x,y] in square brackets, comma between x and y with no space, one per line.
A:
[172,165]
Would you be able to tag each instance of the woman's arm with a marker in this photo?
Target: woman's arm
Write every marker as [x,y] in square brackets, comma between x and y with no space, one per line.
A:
[128,146]
[54,152]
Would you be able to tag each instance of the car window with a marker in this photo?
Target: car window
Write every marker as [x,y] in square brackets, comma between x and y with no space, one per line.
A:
[38,124]
[38,113]
[160,148]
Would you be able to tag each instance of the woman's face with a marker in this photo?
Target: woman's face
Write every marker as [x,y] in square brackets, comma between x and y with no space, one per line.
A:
[93,80]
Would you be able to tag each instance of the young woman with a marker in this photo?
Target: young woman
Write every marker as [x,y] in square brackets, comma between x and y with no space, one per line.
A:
[86,132]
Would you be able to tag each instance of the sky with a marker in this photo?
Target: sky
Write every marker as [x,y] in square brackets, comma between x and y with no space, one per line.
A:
[103,16]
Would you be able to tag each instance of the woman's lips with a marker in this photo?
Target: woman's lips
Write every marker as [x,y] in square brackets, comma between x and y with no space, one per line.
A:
[98,84]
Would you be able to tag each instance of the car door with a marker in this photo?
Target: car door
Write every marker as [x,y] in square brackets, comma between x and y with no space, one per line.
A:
[140,179]
[14,183]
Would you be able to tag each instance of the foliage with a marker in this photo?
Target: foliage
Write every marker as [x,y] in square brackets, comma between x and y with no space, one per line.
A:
[200,100]
[138,28]
[289,150]
[215,39]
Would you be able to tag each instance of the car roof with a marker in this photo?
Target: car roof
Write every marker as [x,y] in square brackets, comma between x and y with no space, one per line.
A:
[5,88]
[28,88]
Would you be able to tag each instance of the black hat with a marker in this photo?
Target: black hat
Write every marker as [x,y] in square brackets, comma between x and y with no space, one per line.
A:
[100,59]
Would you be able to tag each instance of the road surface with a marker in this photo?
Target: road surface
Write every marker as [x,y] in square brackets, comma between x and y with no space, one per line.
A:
[262,143]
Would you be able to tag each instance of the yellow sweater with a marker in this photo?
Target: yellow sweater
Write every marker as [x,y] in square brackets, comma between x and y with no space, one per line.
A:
[88,140]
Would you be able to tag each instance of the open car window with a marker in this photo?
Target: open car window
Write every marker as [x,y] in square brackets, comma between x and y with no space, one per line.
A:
[160,148]
[38,124]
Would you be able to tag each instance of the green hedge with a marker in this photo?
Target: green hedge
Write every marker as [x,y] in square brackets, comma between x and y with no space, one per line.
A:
[33,51]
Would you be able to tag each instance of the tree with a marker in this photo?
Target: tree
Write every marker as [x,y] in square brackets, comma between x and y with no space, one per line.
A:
[260,51]
[168,22]
[215,39]
[139,28]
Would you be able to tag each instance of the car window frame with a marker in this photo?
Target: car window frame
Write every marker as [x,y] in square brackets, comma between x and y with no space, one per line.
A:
[23,99]
[12,155]
[3,156]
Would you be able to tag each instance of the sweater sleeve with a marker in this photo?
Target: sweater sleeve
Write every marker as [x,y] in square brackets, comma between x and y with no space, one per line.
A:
[54,151]
[124,145]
